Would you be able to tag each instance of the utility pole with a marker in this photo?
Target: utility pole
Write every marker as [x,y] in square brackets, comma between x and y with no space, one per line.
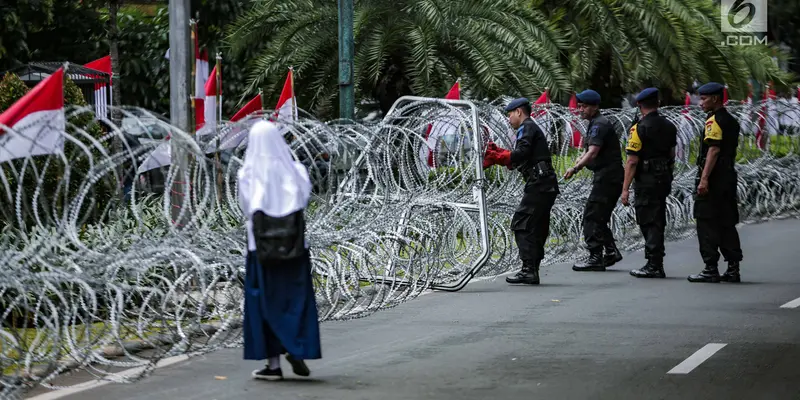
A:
[180,62]
[346,90]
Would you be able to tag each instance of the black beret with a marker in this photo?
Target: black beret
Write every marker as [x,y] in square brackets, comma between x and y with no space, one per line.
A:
[517,103]
[710,89]
[589,97]
[647,94]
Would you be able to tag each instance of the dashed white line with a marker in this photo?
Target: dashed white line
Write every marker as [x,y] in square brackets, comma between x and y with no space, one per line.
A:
[792,304]
[697,358]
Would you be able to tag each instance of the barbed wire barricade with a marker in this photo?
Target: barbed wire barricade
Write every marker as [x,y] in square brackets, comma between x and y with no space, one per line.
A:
[115,258]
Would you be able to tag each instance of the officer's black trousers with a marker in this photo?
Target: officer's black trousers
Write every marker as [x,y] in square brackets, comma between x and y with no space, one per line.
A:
[532,227]
[716,236]
[651,216]
[597,214]
[717,214]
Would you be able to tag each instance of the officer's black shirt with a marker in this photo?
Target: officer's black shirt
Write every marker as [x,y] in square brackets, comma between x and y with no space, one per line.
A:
[652,138]
[530,150]
[608,163]
[721,130]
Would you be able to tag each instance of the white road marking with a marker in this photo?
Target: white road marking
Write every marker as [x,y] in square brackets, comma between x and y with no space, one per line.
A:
[792,304]
[82,387]
[697,358]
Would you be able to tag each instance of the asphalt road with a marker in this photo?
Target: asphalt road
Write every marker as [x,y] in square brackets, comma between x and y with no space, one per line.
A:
[590,335]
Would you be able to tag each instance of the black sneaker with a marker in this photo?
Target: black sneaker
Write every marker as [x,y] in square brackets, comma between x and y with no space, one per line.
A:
[268,374]
[299,367]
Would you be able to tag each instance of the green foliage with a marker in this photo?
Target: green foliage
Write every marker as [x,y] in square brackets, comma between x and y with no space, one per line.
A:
[144,72]
[11,89]
[619,46]
[50,30]
[421,46]
[401,47]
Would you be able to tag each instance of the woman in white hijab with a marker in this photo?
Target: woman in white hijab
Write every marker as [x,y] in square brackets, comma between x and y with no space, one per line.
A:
[280,308]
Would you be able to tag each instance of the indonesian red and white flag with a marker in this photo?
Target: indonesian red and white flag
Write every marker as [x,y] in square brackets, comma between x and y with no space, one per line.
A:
[200,78]
[252,106]
[541,117]
[102,92]
[211,101]
[235,134]
[286,109]
[439,129]
[36,121]
[572,125]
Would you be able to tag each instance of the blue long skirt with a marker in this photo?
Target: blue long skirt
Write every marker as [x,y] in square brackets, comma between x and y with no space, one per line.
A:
[280,311]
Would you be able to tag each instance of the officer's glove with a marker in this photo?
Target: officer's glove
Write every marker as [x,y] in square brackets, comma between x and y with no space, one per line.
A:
[489,159]
[503,157]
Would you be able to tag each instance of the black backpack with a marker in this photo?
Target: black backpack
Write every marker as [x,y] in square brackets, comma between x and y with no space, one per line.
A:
[279,239]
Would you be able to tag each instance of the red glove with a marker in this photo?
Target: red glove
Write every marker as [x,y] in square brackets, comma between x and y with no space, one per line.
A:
[489,159]
[503,157]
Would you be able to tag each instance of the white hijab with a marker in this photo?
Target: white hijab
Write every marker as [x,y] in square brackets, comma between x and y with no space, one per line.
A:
[269,180]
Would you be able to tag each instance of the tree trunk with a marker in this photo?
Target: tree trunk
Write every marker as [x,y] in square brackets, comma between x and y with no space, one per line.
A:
[603,83]
[392,86]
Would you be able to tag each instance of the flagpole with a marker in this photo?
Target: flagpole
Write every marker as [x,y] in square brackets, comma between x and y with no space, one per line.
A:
[219,91]
[195,49]
[294,101]
[217,122]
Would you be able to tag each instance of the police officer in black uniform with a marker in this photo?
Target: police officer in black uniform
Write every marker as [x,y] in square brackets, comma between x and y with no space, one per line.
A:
[531,157]
[603,157]
[651,157]
[716,208]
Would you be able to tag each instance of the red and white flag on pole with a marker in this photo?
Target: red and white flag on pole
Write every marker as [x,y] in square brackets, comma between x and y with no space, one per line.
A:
[252,106]
[428,150]
[102,93]
[725,95]
[572,128]
[286,109]
[233,136]
[200,78]
[541,117]
[211,101]
[36,121]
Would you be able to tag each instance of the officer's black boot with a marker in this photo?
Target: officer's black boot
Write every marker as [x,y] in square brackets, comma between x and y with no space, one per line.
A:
[709,274]
[732,274]
[612,256]
[594,263]
[653,269]
[529,275]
